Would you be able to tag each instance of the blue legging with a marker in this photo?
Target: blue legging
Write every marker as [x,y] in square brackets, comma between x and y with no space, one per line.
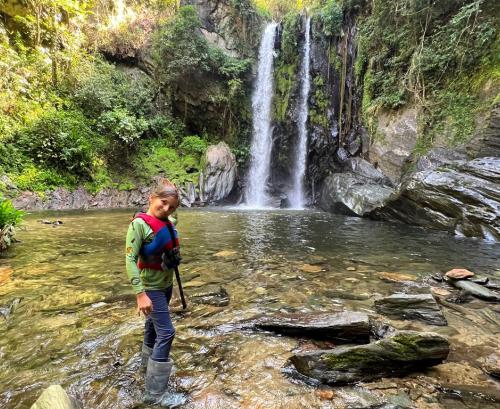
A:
[159,331]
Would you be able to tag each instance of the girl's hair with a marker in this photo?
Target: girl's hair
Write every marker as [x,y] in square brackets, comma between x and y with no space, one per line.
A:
[165,188]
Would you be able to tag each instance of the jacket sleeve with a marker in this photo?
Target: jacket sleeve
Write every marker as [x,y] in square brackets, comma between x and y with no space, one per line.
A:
[132,249]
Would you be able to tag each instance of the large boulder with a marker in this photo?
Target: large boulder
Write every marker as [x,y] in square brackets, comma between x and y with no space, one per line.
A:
[422,307]
[218,178]
[461,198]
[486,141]
[55,397]
[341,327]
[404,352]
[353,194]
[397,133]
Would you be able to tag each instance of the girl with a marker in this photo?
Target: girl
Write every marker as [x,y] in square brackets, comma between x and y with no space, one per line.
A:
[151,241]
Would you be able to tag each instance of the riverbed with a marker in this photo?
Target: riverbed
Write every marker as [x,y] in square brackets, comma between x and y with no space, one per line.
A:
[73,320]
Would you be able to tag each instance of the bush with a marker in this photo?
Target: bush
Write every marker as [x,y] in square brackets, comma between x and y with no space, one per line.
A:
[9,215]
[108,88]
[193,145]
[331,18]
[121,127]
[60,140]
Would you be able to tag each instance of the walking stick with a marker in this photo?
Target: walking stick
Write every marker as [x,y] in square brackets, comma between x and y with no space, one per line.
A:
[181,292]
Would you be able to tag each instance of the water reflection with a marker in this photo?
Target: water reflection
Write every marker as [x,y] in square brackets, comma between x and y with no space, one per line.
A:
[74,320]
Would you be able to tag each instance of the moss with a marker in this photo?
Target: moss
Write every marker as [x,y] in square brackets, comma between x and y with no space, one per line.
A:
[286,77]
[318,112]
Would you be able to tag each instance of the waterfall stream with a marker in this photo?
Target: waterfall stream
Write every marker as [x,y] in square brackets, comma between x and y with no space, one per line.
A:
[255,194]
[296,195]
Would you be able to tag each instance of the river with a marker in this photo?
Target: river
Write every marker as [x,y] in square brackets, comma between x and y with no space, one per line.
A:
[75,322]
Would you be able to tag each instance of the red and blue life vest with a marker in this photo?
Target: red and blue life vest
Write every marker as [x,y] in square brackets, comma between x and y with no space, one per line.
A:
[151,253]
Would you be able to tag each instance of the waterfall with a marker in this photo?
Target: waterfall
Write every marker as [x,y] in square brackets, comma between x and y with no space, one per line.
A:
[296,196]
[258,175]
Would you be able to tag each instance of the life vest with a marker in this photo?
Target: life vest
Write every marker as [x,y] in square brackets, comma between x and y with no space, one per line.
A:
[162,242]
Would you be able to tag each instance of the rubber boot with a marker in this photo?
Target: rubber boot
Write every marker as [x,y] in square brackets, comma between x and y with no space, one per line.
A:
[157,374]
[145,354]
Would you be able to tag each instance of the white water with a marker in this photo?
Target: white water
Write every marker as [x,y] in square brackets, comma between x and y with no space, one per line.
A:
[255,194]
[296,196]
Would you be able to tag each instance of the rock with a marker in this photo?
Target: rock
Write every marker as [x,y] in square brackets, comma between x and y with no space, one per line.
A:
[5,273]
[398,132]
[55,397]
[7,310]
[341,327]
[404,352]
[211,295]
[219,174]
[260,290]
[459,273]
[442,292]
[325,394]
[491,365]
[476,290]
[352,194]
[395,277]
[308,268]
[285,203]
[439,156]
[225,253]
[422,307]
[351,268]
[363,168]
[194,283]
[486,141]
[463,199]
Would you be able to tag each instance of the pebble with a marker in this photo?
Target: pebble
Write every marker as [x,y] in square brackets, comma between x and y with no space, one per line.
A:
[395,277]
[351,268]
[308,268]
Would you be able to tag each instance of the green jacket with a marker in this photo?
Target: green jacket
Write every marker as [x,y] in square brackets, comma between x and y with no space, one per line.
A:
[146,279]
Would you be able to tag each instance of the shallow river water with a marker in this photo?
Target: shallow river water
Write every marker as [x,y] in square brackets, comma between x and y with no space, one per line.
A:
[73,319]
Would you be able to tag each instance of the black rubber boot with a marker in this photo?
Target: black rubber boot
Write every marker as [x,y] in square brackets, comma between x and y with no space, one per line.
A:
[145,354]
[157,375]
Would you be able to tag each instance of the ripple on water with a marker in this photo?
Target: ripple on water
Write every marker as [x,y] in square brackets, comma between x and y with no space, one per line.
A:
[75,322]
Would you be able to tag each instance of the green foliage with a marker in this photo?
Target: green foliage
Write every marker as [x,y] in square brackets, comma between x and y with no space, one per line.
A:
[179,51]
[154,158]
[61,140]
[106,88]
[193,145]
[39,179]
[318,112]
[9,215]
[122,127]
[331,17]
[286,76]
[290,37]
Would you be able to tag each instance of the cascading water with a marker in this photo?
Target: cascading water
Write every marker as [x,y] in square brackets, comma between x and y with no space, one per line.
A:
[258,175]
[296,196]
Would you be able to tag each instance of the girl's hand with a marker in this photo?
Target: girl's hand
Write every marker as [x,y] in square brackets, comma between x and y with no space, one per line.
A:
[144,304]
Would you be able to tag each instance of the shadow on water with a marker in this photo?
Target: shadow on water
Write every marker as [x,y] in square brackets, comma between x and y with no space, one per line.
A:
[71,314]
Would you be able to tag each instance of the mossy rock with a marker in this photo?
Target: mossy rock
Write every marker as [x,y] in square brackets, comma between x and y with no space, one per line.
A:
[404,352]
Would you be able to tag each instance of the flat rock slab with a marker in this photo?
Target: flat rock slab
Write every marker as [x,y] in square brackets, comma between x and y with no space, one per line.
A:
[402,353]
[476,290]
[421,307]
[343,327]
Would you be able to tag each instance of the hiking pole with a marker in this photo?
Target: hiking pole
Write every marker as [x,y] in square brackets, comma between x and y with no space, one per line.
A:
[181,292]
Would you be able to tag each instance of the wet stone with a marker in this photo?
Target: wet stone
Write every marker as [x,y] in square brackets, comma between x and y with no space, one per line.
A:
[476,290]
[55,397]
[491,365]
[422,307]
[395,277]
[210,295]
[343,327]
[459,274]
[402,353]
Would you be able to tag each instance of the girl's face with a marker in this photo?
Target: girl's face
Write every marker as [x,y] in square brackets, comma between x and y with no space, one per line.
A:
[162,207]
